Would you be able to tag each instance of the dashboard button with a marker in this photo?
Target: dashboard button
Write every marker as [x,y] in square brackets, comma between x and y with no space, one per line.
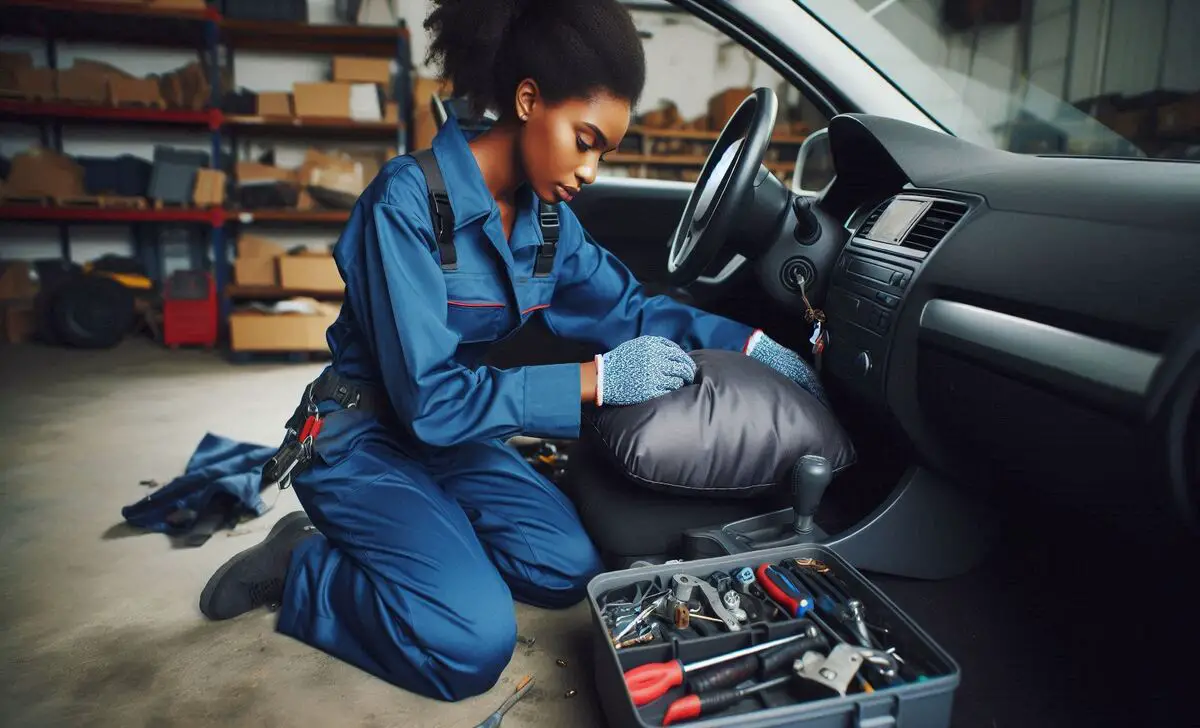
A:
[897,278]
[862,364]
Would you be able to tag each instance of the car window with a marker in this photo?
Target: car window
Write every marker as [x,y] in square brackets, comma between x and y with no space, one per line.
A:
[695,78]
[1081,77]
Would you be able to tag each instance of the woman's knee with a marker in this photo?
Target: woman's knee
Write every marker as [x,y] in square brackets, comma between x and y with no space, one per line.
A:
[458,643]
[466,656]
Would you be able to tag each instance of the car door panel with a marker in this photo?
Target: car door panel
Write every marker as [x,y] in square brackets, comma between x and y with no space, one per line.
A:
[634,220]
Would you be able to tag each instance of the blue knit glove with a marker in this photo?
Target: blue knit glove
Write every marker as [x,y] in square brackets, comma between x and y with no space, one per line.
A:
[642,369]
[786,362]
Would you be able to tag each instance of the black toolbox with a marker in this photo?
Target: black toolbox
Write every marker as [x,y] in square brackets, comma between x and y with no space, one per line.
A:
[921,696]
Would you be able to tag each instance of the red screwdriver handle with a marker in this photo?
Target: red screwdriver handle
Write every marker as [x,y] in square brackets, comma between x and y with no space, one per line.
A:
[686,708]
[648,683]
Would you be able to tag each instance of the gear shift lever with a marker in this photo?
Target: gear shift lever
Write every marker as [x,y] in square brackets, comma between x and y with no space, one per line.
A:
[811,475]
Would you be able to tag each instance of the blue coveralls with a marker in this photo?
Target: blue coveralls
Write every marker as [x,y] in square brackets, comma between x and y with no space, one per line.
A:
[430,524]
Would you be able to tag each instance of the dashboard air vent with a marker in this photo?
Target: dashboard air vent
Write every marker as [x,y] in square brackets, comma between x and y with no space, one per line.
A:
[872,218]
[934,225]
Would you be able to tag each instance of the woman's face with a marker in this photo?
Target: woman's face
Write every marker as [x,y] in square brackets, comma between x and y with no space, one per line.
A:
[562,143]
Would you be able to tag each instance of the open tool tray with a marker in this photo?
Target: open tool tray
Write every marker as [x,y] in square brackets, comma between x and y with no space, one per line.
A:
[921,699]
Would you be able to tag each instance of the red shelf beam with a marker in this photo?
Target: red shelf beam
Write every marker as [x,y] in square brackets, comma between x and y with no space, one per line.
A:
[11,108]
[41,213]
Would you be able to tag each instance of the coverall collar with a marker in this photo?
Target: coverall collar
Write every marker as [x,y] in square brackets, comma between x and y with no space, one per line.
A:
[469,194]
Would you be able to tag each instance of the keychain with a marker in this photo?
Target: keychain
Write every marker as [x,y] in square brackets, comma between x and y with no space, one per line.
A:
[815,316]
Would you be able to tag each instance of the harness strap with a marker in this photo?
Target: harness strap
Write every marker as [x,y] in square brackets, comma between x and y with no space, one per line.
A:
[439,207]
[443,219]
[548,222]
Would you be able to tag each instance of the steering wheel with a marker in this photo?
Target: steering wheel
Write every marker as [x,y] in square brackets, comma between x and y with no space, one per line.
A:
[725,180]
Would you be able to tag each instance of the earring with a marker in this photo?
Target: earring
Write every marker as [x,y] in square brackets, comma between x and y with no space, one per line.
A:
[524,117]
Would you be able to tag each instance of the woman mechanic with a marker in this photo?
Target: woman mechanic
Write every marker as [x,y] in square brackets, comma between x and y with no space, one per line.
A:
[424,524]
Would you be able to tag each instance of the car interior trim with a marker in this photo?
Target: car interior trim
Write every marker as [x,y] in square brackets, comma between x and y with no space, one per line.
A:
[1118,367]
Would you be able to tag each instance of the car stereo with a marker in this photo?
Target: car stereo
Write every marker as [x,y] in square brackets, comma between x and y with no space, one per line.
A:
[872,277]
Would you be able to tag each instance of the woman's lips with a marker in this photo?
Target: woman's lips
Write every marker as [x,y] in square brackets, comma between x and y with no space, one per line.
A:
[565,194]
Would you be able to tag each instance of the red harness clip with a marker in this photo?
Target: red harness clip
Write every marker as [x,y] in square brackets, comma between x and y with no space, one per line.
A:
[312,426]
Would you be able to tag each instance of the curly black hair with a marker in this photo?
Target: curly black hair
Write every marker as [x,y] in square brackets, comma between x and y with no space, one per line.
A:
[571,48]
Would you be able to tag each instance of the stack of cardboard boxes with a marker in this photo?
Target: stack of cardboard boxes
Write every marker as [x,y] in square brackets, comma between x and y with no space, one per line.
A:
[17,292]
[299,323]
[360,90]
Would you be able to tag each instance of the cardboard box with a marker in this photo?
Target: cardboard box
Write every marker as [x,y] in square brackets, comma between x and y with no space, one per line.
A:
[256,331]
[274,103]
[255,272]
[257,172]
[36,84]
[17,321]
[317,273]
[365,70]
[210,188]
[16,280]
[330,100]
[722,105]
[255,264]
[424,125]
[39,172]
[253,246]
[135,92]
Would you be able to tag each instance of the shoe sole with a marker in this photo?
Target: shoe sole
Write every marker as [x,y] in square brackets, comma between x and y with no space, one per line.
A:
[211,587]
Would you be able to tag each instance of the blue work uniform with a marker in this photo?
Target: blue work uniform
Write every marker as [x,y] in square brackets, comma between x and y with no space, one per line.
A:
[429,523]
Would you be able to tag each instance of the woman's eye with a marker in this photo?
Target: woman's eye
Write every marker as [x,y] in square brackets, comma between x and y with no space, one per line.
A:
[583,146]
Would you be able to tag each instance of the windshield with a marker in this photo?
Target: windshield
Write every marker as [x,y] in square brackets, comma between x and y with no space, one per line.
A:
[1083,77]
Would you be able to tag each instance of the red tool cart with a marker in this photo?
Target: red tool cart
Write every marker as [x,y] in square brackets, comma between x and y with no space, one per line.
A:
[190,309]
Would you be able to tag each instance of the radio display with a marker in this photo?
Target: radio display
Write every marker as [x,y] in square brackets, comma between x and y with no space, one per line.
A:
[896,220]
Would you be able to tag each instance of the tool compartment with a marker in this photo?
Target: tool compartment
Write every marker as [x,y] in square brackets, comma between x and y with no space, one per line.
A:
[921,698]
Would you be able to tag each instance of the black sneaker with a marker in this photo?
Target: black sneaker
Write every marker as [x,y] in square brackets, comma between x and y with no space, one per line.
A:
[255,577]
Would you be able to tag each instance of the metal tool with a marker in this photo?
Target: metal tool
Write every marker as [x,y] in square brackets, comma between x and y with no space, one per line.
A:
[636,620]
[760,666]
[647,683]
[835,671]
[494,719]
[684,588]
[854,616]
[694,706]
[733,602]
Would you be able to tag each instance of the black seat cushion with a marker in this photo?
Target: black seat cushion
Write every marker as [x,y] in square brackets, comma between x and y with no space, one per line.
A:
[627,521]
[736,432]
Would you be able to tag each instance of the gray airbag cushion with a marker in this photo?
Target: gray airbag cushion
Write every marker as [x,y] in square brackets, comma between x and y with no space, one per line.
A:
[735,432]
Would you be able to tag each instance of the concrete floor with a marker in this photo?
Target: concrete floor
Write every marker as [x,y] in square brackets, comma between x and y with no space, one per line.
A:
[100,623]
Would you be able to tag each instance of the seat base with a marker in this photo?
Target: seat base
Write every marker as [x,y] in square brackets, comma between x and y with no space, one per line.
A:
[628,522]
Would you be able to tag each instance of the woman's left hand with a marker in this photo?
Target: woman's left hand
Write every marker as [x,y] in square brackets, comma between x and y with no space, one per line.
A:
[789,364]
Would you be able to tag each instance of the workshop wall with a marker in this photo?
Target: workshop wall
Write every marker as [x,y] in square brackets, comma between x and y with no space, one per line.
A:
[686,63]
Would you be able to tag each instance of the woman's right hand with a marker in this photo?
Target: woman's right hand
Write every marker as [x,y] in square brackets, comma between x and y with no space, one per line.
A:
[642,369]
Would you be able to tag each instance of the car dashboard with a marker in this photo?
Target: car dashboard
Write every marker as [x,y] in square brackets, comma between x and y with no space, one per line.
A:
[1024,321]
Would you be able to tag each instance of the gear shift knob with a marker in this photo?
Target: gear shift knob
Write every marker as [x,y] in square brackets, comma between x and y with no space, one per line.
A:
[811,475]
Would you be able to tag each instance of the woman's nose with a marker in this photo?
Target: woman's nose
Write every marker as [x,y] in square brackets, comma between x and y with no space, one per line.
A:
[586,175]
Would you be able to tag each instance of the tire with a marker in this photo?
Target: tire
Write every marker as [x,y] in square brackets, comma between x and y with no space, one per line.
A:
[93,312]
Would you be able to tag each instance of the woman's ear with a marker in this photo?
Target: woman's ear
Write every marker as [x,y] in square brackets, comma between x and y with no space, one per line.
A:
[527,98]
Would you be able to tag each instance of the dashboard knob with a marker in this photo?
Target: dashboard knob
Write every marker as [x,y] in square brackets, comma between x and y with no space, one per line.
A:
[808,227]
[862,363]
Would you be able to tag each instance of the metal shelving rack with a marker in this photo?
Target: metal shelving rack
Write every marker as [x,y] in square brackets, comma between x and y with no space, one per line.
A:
[207,32]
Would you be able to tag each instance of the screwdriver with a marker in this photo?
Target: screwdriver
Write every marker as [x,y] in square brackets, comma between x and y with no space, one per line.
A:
[647,683]
[693,706]
[795,601]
